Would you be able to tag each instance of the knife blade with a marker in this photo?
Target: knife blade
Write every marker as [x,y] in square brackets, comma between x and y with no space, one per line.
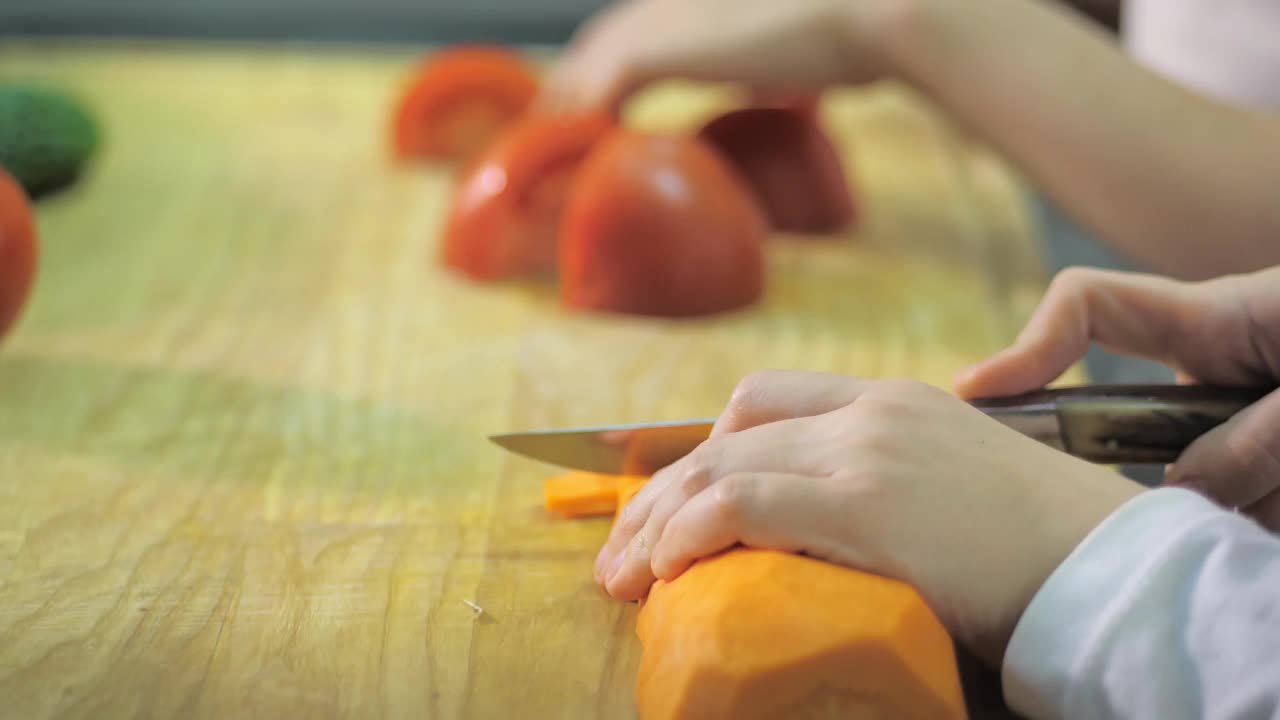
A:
[1106,424]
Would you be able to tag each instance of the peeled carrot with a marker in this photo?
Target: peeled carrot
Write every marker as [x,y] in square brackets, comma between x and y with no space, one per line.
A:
[761,634]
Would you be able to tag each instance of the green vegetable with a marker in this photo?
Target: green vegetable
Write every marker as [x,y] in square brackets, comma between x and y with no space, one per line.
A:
[46,137]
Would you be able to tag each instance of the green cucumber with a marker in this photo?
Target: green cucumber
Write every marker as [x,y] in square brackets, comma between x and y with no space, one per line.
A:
[46,137]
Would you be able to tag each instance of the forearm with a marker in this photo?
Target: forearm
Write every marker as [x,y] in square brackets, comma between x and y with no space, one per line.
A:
[1176,181]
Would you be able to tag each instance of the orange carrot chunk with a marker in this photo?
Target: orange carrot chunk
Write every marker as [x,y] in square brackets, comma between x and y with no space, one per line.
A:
[753,634]
[581,494]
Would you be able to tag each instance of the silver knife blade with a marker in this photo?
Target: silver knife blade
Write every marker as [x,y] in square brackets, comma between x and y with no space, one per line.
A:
[644,448]
[641,448]
[1106,424]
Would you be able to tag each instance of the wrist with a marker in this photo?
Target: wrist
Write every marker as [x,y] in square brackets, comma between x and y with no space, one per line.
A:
[1071,505]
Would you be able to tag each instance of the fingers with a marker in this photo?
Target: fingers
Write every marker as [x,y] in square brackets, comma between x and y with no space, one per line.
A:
[602,88]
[1129,313]
[772,510]
[1267,512]
[623,565]
[597,72]
[769,396]
[761,399]
[1238,462]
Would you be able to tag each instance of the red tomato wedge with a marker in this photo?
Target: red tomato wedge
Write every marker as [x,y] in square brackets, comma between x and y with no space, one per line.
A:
[17,251]
[458,99]
[504,220]
[660,226]
[790,164]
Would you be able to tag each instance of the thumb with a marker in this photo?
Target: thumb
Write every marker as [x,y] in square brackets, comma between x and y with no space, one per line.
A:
[1133,314]
[1237,463]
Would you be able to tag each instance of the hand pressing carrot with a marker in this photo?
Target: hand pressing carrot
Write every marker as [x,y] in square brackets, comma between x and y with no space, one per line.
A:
[876,475]
[1100,598]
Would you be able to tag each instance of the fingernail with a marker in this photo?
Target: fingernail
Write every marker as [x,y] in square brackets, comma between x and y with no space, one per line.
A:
[599,564]
[614,565]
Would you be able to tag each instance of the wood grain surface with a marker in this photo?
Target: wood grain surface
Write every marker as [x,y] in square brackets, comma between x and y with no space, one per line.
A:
[243,458]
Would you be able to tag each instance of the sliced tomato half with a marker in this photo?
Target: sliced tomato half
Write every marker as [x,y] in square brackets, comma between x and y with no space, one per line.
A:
[504,219]
[661,226]
[17,251]
[458,99]
[790,164]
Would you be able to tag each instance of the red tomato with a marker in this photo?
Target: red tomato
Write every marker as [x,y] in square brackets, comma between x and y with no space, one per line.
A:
[458,99]
[661,226]
[789,163]
[17,251]
[505,216]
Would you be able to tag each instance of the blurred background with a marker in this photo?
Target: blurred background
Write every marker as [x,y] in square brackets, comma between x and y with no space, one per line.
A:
[399,21]
[522,22]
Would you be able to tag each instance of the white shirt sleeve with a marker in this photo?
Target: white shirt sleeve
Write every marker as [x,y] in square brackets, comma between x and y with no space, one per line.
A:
[1222,48]
[1169,609]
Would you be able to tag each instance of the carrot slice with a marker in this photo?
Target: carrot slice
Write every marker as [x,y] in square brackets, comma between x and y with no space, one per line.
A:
[580,494]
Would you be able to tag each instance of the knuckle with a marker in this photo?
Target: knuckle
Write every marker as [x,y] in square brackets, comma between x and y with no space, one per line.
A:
[746,394]
[1248,455]
[734,496]
[878,442]
[895,399]
[632,517]
[1267,511]
[1181,472]
[693,482]
[639,545]
[1073,280]
[858,486]
[700,466]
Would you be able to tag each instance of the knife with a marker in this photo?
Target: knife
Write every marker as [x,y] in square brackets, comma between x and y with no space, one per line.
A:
[1106,424]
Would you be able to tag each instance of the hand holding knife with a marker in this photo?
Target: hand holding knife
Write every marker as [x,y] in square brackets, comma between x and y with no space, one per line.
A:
[1109,424]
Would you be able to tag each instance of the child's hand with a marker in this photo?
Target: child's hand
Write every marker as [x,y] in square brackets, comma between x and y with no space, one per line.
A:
[895,477]
[1222,332]
[799,45]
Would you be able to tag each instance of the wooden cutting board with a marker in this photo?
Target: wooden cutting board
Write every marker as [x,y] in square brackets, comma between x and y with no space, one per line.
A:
[243,466]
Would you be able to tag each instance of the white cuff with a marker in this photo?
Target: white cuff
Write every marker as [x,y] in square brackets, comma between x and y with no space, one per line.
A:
[1086,593]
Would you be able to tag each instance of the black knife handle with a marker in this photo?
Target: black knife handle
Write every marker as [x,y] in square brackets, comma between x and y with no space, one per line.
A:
[1134,424]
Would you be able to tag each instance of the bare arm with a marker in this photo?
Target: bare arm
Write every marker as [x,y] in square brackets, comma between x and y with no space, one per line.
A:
[1186,185]
[1180,183]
